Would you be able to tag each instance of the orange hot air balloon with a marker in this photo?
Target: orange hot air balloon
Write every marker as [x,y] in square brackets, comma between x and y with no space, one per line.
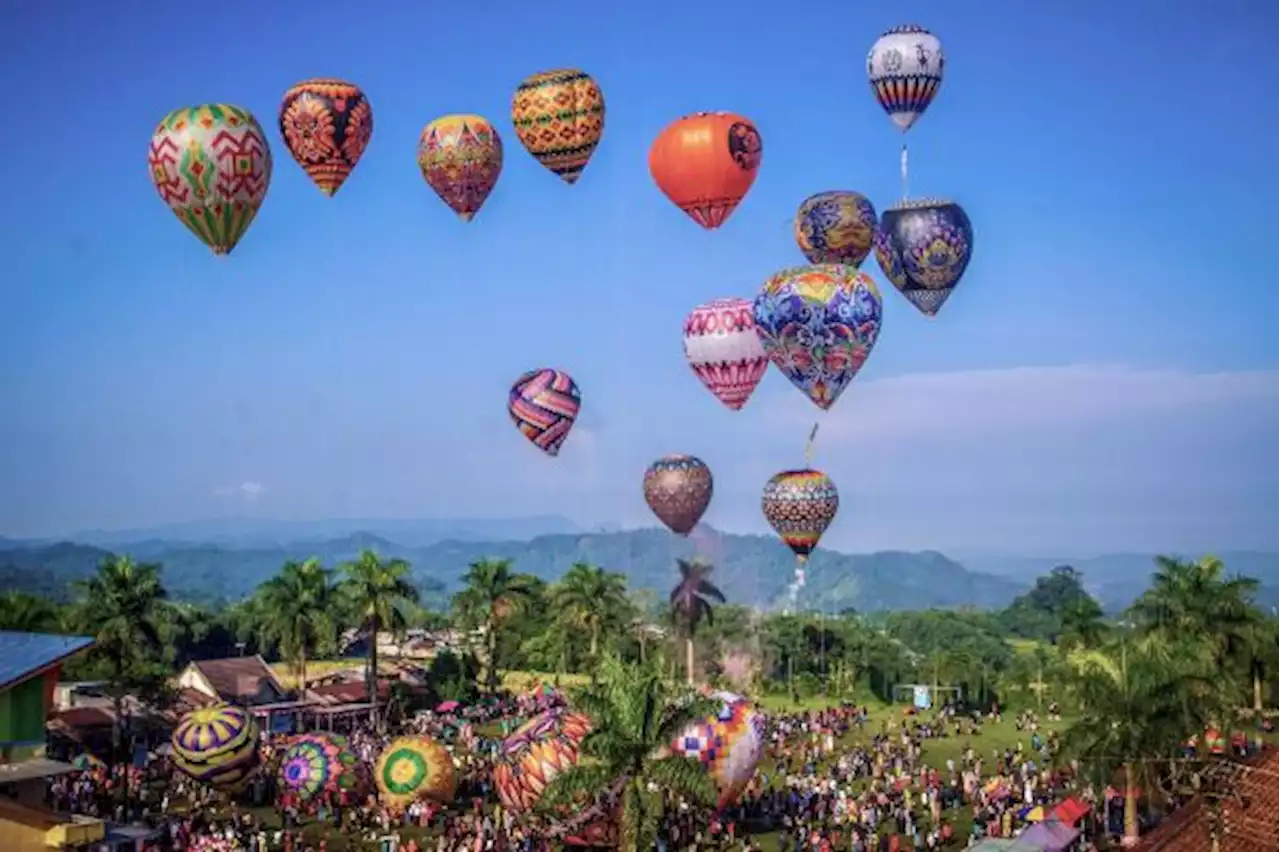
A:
[706,163]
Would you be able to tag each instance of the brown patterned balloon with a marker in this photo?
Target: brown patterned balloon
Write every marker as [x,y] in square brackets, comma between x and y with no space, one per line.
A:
[678,490]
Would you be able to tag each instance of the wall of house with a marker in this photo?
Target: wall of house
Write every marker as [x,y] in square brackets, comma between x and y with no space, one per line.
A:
[22,712]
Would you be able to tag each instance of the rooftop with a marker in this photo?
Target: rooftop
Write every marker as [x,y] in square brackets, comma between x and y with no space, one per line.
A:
[25,655]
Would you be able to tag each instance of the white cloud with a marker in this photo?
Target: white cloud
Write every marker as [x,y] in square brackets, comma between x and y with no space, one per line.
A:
[248,491]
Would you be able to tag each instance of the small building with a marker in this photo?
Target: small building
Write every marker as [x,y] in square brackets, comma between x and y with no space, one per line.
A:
[29,668]
[245,681]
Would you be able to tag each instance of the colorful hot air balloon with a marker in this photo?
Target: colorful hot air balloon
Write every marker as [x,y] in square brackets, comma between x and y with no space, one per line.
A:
[818,325]
[800,505]
[724,350]
[315,764]
[216,746]
[924,247]
[544,404]
[729,745]
[535,753]
[836,227]
[559,118]
[905,68]
[211,164]
[326,125]
[706,163]
[678,490]
[461,158]
[414,768]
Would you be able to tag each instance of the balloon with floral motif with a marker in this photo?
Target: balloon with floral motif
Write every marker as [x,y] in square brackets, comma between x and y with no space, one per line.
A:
[836,227]
[326,125]
[905,68]
[318,763]
[923,248]
[534,754]
[414,768]
[722,347]
[216,746]
[461,159]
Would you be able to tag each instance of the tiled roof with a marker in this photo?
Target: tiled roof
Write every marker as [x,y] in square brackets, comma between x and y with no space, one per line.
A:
[241,679]
[23,655]
[1250,819]
[353,692]
[84,717]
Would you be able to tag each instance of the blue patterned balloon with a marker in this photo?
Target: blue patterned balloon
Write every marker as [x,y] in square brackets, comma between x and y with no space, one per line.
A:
[836,227]
[818,324]
[923,248]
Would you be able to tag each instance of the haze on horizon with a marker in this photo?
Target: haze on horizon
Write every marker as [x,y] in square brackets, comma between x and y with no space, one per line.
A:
[1105,378]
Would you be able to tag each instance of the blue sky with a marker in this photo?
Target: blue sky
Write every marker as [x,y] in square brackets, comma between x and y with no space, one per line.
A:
[1104,378]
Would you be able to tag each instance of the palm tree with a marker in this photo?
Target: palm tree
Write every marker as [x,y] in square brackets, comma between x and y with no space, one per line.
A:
[492,593]
[376,593]
[27,613]
[1082,625]
[1197,600]
[691,603]
[635,716]
[295,612]
[592,598]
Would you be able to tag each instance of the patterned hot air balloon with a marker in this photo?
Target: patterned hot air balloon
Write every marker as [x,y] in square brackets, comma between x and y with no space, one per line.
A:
[216,746]
[729,745]
[800,505]
[836,227]
[211,164]
[819,324]
[905,68]
[559,117]
[534,754]
[924,247]
[461,158]
[414,768]
[326,125]
[544,403]
[315,764]
[706,163]
[724,350]
[678,490]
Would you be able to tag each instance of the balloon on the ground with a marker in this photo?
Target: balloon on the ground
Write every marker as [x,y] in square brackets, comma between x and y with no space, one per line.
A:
[678,489]
[800,505]
[319,763]
[729,745]
[905,68]
[216,746]
[534,754]
[211,164]
[836,227]
[559,118]
[326,125]
[722,347]
[414,768]
[461,159]
[544,405]
[818,325]
[705,164]
[923,247]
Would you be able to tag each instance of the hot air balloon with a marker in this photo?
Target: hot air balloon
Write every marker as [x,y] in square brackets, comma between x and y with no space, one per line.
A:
[678,490]
[905,68]
[534,754]
[706,163]
[544,403]
[924,247]
[414,768]
[836,227]
[818,325]
[724,350]
[211,164]
[729,745]
[326,125]
[800,505]
[216,746]
[461,158]
[319,763]
[559,118]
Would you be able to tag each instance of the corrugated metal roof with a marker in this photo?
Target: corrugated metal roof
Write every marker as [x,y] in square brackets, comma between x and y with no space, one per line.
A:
[24,654]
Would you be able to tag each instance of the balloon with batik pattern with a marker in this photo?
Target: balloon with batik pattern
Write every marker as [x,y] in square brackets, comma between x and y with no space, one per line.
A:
[461,159]
[559,118]
[836,227]
[678,489]
[211,164]
[544,405]
[800,505]
[326,125]
[923,248]
[722,347]
[216,746]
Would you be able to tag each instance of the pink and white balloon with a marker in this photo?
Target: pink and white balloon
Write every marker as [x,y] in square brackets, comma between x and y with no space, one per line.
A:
[724,350]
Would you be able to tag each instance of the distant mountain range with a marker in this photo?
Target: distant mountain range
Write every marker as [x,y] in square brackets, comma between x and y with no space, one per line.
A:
[226,560]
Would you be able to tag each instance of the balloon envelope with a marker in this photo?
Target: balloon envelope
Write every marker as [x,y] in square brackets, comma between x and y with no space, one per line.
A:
[836,227]
[216,746]
[534,754]
[705,164]
[722,347]
[559,118]
[326,125]
[314,764]
[800,505]
[678,490]
[544,405]
[905,68]
[461,159]
[818,325]
[413,768]
[211,164]
[923,248]
[729,745]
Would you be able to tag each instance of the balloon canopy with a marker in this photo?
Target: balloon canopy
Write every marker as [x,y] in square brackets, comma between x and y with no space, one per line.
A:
[534,754]
[559,118]
[319,763]
[678,490]
[216,746]
[544,405]
[923,248]
[904,68]
[800,505]
[326,125]
[705,164]
[836,227]
[729,745]
[722,347]
[414,768]
[461,159]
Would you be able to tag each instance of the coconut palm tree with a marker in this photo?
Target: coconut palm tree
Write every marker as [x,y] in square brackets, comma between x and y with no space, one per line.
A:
[691,604]
[635,716]
[376,593]
[492,593]
[27,613]
[295,612]
[592,598]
